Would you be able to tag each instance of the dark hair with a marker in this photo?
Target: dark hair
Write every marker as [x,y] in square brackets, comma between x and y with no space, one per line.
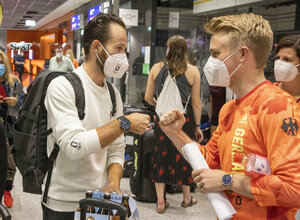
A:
[176,58]
[290,41]
[99,29]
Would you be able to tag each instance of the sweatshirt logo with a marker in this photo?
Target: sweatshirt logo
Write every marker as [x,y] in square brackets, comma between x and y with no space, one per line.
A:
[76,145]
[244,119]
[290,126]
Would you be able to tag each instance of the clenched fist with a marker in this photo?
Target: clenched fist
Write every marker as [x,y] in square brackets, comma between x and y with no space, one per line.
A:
[139,122]
[172,122]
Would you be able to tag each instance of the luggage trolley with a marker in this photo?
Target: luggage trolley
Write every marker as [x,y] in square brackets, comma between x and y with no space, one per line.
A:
[100,203]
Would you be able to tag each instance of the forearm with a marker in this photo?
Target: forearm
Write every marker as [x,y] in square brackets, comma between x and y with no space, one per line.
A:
[109,132]
[115,172]
[197,114]
[180,140]
[242,185]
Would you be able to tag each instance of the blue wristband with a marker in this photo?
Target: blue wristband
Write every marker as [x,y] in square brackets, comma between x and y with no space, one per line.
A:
[198,126]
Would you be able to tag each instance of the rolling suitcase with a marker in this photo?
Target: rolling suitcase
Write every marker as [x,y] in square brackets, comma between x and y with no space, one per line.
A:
[129,153]
[140,181]
[139,148]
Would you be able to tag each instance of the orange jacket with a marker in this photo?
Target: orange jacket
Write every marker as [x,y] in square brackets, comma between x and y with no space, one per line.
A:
[265,122]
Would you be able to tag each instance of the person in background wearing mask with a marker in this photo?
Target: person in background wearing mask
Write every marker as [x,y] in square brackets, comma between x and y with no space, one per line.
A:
[19,62]
[70,55]
[60,62]
[263,120]
[287,65]
[10,105]
[168,166]
[91,152]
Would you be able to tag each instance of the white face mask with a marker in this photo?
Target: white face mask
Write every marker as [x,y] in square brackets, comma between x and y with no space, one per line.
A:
[284,71]
[68,55]
[115,65]
[59,55]
[216,71]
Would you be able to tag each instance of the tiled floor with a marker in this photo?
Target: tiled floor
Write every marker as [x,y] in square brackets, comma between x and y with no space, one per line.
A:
[27,206]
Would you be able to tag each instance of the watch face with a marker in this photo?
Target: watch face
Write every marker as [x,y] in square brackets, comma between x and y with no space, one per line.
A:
[227,179]
[125,123]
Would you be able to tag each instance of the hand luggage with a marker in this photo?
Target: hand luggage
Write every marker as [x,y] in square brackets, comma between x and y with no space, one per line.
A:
[139,148]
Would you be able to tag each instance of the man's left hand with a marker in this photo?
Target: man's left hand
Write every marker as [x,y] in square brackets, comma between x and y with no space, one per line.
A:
[209,181]
[11,101]
[113,187]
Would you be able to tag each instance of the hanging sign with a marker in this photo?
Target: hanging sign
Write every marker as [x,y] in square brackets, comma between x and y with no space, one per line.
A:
[20,46]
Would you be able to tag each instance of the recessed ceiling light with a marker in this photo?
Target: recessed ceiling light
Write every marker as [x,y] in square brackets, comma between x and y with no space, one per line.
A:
[30,23]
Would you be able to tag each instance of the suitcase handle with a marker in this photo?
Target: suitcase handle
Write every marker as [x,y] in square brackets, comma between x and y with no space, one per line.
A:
[105,204]
[4,212]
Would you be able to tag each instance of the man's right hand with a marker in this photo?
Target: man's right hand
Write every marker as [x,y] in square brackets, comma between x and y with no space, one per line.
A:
[172,122]
[138,122]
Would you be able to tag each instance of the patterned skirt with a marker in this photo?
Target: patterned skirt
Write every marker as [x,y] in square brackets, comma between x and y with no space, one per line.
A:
[168,165]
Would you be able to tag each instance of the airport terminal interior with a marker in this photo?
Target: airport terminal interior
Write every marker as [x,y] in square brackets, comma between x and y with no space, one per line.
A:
[34,29]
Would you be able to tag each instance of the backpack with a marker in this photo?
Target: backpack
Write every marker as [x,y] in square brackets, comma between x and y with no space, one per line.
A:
[30,130]
[170,98]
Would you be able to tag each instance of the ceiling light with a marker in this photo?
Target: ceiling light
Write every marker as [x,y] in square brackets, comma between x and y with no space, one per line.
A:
[30,23]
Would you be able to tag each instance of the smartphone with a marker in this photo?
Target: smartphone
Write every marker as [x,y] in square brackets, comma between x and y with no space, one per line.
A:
[2,92]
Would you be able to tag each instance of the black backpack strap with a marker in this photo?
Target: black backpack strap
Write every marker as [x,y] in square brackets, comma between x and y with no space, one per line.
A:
[51,160]
[79,93]
[112,97]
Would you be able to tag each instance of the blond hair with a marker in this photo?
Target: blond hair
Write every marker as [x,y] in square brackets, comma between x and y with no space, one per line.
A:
[249,30]
[8,74]
[69,51]
[176,58]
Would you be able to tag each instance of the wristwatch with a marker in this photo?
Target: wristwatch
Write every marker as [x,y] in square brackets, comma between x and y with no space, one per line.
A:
[124,123]
[227,181]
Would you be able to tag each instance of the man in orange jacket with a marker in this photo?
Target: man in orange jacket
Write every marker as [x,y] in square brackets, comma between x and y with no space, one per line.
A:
[263,120]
